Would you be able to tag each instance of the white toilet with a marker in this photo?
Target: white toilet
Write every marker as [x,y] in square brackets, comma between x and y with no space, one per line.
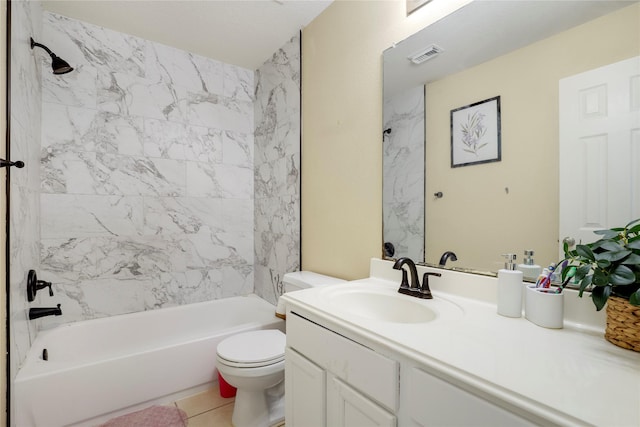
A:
[253,362]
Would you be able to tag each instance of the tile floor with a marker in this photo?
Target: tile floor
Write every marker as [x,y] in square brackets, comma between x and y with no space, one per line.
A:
[208,409]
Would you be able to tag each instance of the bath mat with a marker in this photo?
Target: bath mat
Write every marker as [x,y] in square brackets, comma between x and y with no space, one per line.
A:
[155,416]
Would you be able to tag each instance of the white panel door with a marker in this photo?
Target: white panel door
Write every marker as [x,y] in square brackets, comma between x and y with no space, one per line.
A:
[599,150]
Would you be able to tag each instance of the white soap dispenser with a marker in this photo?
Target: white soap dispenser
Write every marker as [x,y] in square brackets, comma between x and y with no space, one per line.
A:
[510,288]
[530,270]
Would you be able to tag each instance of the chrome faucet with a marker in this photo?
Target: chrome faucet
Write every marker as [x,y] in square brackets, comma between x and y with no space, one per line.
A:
[415,290]
[446,256]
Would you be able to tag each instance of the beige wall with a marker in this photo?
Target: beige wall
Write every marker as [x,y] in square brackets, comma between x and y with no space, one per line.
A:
[342,122]
[342,116]
[3,211]
[475,202]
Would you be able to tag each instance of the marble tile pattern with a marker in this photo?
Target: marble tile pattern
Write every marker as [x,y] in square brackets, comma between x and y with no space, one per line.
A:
[147,182]
[403,173]
[24,203]
[277,169]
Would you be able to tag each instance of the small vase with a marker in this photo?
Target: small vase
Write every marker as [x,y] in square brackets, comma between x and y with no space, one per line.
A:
[623,324]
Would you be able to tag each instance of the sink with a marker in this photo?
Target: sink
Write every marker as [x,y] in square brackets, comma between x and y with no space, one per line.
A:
[382,305]
[388,308]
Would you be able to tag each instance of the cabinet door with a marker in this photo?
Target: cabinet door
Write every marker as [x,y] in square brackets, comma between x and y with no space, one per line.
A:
[435,402]
[304,383]
[348,408]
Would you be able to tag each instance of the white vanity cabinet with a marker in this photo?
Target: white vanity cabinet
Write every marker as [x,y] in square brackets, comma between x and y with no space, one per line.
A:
[333,381]
[360,354]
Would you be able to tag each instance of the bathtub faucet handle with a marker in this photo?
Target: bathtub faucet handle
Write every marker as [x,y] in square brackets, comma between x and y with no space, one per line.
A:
[34,285]
[41,284]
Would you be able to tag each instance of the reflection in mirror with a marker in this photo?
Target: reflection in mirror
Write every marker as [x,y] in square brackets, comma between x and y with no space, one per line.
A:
[520,51]
[403,172]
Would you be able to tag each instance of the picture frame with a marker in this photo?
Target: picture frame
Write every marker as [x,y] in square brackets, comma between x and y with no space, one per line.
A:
[476,133]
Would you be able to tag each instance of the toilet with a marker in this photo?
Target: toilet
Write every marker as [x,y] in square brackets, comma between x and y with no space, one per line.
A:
[253,362]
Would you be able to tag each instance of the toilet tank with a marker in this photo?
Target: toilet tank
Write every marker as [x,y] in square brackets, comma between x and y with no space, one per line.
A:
[307,279]
[302,280]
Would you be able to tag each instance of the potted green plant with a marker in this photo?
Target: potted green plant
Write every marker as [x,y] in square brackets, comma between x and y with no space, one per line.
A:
[612,266]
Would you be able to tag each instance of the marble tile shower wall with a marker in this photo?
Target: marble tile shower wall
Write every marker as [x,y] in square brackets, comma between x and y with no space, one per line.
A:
[277,170]
[24,215]
[146,174]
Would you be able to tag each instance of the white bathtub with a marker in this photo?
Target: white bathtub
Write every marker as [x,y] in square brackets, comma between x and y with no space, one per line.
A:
[105,367]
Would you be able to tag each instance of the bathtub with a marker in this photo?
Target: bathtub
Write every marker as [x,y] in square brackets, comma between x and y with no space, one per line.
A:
[101,368]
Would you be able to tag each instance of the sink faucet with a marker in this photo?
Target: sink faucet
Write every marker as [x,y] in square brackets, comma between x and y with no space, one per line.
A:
[415,283]
[446,256]
[415,290]
[37,312]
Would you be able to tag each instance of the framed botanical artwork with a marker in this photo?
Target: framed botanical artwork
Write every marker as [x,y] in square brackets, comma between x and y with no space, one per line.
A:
[475,133]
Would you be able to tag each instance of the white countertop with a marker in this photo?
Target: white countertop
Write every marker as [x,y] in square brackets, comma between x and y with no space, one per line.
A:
[570,376]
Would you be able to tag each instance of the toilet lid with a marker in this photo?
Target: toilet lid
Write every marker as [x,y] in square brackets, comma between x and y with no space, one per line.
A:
[256,348]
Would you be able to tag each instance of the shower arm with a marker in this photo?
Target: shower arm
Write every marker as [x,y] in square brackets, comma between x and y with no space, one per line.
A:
[34,44]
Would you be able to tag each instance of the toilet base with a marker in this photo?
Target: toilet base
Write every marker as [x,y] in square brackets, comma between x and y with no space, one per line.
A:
[259,408]
[275,401]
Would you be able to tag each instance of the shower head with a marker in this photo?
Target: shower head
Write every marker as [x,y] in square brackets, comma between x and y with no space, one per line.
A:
[59,65]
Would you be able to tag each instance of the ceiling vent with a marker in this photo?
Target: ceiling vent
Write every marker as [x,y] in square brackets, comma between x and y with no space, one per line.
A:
[425,54]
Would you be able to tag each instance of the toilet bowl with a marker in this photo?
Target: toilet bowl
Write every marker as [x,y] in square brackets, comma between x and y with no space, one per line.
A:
[253,362]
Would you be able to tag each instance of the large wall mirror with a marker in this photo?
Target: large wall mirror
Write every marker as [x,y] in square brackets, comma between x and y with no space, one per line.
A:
[538,58]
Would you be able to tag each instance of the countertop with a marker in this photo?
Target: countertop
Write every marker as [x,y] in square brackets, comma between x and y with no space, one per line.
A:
[569,376]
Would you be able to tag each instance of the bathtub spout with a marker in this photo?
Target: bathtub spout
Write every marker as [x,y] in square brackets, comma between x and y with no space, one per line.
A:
[37,312]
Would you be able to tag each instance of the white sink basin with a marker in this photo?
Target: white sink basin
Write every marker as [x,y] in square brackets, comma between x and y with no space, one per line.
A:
[386,305]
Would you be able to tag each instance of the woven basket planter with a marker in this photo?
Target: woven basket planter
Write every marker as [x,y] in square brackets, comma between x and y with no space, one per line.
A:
[623,324]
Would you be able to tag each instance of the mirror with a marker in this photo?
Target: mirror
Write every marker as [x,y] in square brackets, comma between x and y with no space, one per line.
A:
[519,51]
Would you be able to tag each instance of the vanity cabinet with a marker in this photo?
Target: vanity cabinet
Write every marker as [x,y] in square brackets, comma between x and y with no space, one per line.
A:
[333,381]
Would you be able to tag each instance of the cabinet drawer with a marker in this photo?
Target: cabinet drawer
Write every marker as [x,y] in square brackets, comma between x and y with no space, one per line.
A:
[361,367]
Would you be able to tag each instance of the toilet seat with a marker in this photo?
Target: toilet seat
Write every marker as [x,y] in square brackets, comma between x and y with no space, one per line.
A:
[252,349]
